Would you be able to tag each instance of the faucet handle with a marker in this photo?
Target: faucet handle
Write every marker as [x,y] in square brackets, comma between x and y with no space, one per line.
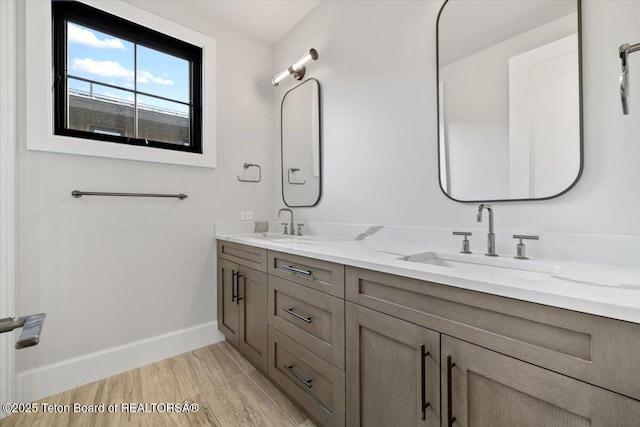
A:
[521,249]
[299,227]
[465,242]
[526,236]
[285,227]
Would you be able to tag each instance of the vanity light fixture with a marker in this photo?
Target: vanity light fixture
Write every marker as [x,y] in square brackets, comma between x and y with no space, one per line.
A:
[624,51]
[297,69]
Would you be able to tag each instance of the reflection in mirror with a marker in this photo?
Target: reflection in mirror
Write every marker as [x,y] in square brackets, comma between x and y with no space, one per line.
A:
[300,127]
[509,99]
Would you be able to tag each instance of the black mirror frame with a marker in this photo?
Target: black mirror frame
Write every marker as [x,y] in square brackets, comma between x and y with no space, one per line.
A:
[320,137]
[579,7]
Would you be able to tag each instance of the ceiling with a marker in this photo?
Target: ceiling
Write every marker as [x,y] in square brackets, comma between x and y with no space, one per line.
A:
[264,20]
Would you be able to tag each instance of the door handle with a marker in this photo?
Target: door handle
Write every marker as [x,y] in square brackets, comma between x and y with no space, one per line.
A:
[233,285]
[31,327]
[450,418]
[423,373]
[238,297]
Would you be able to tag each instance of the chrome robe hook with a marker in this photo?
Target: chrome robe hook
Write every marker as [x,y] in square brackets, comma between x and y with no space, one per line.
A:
[624,51]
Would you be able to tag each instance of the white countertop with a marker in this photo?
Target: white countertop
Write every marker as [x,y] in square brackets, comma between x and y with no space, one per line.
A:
[600,289]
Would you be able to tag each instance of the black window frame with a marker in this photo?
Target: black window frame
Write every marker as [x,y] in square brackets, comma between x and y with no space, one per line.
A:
[82,14]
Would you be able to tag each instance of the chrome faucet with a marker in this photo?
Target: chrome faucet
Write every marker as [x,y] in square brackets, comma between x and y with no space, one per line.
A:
[491,237]
[293,230]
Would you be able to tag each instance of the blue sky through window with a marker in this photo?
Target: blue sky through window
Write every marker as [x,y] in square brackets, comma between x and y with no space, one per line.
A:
[107,59]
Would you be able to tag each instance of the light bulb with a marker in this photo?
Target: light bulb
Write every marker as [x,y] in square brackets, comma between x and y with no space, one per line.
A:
[297,69]
[279,77]
[309,56]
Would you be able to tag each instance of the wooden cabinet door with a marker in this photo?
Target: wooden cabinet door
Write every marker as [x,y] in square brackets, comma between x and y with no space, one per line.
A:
[253,293]
[228,305]
[388,377]
[493,390]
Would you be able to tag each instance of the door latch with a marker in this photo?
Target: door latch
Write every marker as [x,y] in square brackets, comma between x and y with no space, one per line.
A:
[31,326]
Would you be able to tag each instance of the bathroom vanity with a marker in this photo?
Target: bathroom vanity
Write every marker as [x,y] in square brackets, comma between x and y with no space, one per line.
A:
[357,339]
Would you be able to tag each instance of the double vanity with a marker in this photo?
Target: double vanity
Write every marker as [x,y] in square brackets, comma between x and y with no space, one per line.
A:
[381,329]
[364,332]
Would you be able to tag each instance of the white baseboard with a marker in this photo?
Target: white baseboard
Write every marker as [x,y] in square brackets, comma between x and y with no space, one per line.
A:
[47,380]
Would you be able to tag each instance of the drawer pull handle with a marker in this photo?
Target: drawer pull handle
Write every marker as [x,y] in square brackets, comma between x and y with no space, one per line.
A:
[425,404]
[295,374]
[450,418]
[294,270]
[293,313]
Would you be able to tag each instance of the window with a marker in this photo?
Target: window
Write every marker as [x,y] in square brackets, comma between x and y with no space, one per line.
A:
[120,82]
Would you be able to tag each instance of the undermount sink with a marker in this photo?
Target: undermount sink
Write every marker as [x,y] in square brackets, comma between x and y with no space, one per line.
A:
[286,238]
[480,263]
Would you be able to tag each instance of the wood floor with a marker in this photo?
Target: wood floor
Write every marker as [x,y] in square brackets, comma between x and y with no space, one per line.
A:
[227,389]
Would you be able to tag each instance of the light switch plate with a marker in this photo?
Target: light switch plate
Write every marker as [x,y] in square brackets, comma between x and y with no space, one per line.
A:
[246,215]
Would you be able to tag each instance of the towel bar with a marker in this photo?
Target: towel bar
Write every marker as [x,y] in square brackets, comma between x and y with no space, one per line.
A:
[78,194]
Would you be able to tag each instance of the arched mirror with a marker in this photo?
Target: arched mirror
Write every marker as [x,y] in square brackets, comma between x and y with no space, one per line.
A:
[509,99]
[301,141]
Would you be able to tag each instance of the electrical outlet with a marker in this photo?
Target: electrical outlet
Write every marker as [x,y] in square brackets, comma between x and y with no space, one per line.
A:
[246,215]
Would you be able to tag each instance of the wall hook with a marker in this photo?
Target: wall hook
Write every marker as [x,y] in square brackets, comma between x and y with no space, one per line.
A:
[247,166]
[625,50]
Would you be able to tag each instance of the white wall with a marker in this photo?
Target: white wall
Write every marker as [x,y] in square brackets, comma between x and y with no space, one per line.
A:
[111,271]
[377,70]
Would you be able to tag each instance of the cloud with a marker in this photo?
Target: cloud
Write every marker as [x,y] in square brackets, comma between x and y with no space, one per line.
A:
[85,37]
[146,77]
[101,68]
[163,82]
[114,70]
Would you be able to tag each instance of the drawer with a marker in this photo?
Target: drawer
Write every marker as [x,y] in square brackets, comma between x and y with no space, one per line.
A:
[312,318]
[594,349]
[249,256]
[314,383]
[320,275]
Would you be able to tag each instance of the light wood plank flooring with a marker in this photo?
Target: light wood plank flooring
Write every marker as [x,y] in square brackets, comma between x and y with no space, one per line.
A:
[228,390]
